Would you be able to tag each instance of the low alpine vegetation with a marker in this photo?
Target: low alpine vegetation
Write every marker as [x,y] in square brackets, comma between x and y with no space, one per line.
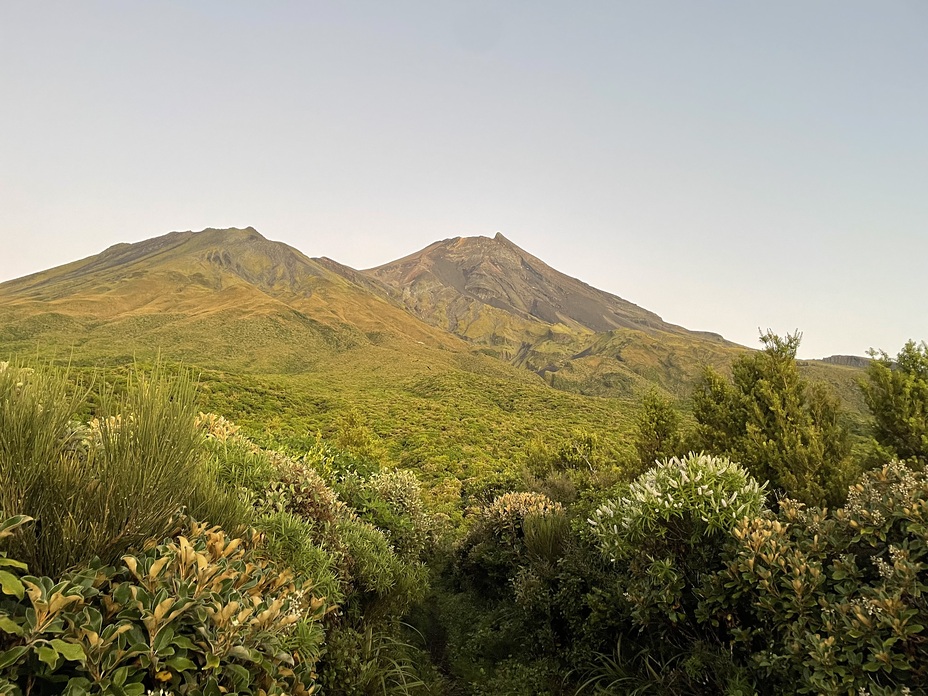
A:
[745,542]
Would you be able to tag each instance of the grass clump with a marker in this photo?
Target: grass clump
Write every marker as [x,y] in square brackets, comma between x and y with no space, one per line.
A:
[104,487]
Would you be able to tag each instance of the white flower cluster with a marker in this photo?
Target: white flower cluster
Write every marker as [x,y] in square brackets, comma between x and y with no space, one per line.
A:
[711,492]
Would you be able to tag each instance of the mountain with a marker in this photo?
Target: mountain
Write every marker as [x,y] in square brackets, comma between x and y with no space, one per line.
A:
[234,300]
[221,297]
[513,306]
[461,283]
[286,345]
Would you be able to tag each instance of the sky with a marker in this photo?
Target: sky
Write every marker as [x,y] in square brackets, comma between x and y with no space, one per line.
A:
[733,166]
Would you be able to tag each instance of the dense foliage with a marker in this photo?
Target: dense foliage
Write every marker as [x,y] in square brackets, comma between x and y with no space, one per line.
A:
[146,547]
[782,428]
[896,392]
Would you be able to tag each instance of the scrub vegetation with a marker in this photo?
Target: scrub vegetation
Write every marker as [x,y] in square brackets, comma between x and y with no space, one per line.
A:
[227,533]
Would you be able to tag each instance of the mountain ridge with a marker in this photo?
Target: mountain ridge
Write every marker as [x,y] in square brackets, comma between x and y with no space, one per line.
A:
[233,298]
[468,265]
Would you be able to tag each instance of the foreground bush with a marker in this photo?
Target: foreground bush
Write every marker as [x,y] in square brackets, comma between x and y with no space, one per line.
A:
[199,614]
[504,534]
[103,488]
[360,531]
[666,536]
[834,603]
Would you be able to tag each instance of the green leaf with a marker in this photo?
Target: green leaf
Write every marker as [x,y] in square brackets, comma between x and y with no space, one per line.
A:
[120,676]
[7,625]
[184,642]
[211,688]
[162,642]
[242,653]
[8,525]
[77,686]
[239,676]
[70,651]
[11,585]
[181,664]
[48,655]
[12,563]
[12,655]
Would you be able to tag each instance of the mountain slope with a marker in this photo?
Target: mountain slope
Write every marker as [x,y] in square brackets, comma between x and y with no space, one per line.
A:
[511,305]
[231,299]
[219,297]
[286,345]
[495,273]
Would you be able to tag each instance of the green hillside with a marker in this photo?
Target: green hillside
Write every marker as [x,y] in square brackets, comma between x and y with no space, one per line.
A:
[461,483]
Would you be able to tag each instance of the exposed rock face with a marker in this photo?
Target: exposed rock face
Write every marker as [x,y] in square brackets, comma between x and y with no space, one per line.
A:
[847,361]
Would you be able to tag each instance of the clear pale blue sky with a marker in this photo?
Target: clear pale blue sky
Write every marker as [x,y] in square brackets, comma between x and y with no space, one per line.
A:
[729,165]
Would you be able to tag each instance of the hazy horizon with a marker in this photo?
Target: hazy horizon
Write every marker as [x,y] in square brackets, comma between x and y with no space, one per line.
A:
[731,167]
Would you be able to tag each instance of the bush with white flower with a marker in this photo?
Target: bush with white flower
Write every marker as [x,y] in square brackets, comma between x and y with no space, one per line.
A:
[679,501]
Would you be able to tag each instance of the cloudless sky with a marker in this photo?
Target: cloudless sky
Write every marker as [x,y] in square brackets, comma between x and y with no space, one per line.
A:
[729,165]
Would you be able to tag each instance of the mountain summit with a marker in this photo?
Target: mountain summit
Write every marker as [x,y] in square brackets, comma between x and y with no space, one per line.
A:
[509,304]
[466,281]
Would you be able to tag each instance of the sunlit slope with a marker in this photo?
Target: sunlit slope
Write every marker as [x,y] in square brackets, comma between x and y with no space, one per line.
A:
[510,304]
[444,414]
[227,298]
[478,313]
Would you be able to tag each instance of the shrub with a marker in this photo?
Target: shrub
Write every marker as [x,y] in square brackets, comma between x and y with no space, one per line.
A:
[679,501]
[780,427]
[494,546]
[369,662]
[834,603]
[665,537]
[896,392]
[657,431]
[198,614]
[107,488]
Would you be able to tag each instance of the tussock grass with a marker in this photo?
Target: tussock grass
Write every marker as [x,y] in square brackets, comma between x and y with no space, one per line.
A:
[103,488]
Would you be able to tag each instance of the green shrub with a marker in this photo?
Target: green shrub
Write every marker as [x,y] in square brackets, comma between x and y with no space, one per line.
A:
[677,502]
[657,431]
[834,603]
[494,547]
[896,392]
[369,662]
[782,428]
[198,614]
[666,537]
